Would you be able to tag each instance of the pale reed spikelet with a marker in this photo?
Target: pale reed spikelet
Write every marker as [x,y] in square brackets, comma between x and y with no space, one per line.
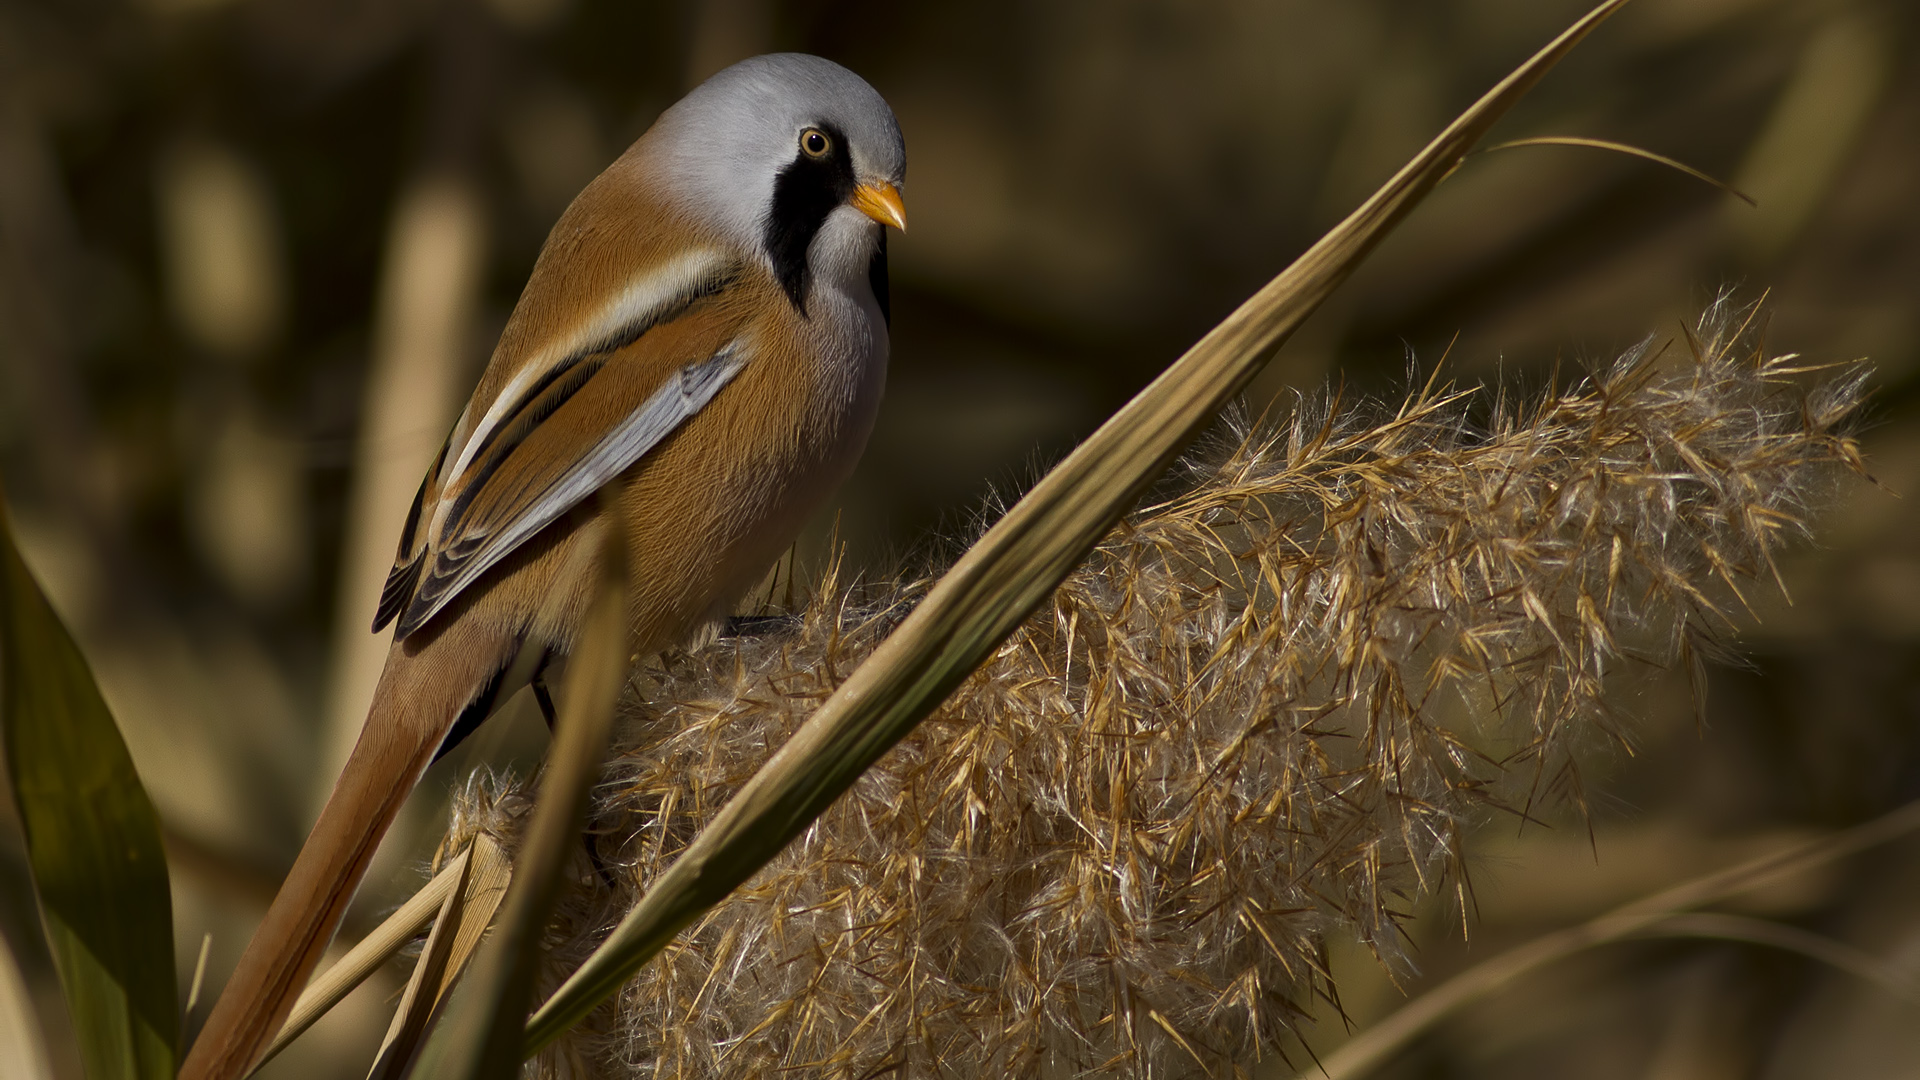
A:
[1260,714]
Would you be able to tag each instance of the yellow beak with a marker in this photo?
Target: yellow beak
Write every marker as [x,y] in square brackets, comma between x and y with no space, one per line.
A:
[881,202]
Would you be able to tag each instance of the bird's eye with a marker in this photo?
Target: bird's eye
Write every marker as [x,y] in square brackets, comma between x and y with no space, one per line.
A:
[814,142]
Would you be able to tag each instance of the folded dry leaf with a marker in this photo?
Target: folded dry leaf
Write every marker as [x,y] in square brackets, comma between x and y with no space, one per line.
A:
[1262,713]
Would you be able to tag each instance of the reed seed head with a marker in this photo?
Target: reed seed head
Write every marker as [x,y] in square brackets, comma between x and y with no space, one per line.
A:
[1262,713]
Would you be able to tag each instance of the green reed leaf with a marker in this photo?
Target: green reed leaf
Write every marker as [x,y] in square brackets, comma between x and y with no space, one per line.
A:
[93,840]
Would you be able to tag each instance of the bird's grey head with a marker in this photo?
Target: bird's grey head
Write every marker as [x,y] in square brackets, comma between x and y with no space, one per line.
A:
[791,156]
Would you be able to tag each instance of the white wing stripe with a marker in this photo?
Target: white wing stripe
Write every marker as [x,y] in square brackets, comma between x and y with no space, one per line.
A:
[686,392]
[641,300]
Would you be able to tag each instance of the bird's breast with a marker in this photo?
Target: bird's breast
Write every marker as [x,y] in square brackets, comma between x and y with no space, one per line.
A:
[727,494]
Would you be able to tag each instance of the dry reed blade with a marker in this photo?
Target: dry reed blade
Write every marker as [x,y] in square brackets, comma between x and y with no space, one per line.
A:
[365,958]
[480,1034]
[1014,567]
[456,936]
[417,1000]
[1631,151]
[1821,949]
[1379,1044]
[199,980]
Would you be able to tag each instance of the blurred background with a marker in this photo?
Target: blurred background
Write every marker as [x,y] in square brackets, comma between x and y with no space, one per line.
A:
[254,252]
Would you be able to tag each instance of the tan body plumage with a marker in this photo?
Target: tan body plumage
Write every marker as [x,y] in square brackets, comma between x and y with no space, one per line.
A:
[648,317]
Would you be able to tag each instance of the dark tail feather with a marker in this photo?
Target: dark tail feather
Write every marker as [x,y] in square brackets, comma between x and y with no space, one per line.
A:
[474,714]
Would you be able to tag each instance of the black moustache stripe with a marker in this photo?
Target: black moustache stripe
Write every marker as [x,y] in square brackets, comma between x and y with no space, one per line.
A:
[877,277]
[804,193]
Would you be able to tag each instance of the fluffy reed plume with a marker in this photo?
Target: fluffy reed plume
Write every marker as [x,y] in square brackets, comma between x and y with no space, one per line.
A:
[1262,713]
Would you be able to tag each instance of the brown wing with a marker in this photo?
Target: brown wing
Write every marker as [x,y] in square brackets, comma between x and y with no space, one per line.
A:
[557,442]
[627,326]
[567,433]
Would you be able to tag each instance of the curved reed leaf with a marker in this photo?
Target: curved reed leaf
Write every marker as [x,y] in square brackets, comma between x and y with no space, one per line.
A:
[1767,934]
[1014,567]
[1373,1048]
[1631,151]
[478,1038]
[93,840]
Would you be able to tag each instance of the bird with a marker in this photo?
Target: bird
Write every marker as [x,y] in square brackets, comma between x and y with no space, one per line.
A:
[697,360]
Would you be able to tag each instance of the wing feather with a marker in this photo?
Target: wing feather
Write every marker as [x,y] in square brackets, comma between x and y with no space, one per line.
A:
[405,575]
[629,325]
[477,543]
[657,295]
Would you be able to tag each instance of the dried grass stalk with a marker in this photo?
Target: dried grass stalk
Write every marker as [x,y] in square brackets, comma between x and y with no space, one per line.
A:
[1261,713]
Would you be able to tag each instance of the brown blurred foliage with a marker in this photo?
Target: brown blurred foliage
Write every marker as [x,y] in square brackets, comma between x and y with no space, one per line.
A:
[252,253]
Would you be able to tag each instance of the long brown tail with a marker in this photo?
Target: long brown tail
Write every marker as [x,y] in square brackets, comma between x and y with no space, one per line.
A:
[422,691]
